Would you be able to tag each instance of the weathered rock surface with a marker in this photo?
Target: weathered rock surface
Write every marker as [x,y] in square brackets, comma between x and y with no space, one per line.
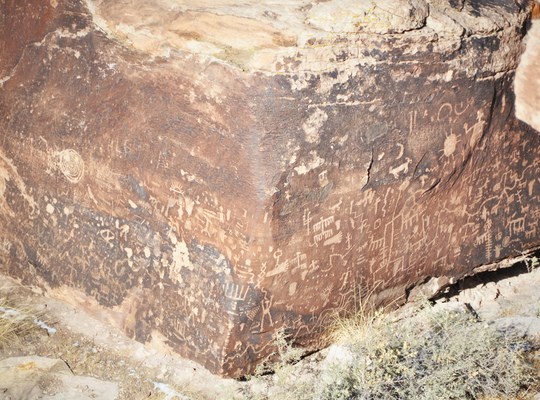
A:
[33,378]
[208,172]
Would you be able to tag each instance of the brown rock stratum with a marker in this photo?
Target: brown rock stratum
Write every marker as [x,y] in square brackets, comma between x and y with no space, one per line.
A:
[204,173]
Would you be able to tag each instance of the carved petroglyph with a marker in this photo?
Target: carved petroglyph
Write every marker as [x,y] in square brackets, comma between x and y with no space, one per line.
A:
[401,169]
[516,226]
[280,266]
[8,173]
[327,231]
[477,129]
[4,177]
[236,295]
[70,164]
[450,145]
[266,311]
[236,292]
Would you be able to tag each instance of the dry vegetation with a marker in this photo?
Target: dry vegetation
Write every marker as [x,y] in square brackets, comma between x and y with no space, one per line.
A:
[431,355]
[17,320]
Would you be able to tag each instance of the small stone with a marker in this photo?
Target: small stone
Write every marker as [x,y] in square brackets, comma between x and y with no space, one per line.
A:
[337,354]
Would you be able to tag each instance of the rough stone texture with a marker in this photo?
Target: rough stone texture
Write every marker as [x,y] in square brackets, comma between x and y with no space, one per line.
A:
[40,378]
[204,173]
[527,83]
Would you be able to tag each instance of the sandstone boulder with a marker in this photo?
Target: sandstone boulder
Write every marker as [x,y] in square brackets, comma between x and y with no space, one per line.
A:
[205,173]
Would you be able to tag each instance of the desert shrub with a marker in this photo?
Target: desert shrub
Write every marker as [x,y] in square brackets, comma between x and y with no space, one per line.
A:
[432,355]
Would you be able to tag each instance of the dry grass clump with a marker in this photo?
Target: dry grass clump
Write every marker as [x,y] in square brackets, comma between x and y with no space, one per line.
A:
[16,321]
[434,355]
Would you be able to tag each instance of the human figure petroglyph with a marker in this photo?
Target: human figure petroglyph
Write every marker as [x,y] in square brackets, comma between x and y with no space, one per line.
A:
[475,131]
[266,310]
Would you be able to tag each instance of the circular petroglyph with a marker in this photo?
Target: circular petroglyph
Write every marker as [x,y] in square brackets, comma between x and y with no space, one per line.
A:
[71,165]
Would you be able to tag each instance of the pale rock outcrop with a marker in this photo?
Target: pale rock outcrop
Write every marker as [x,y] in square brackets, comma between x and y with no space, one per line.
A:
[41,378]
[527,83]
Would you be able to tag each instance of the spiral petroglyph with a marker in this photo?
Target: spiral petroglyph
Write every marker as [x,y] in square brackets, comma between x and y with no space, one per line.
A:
[70,164]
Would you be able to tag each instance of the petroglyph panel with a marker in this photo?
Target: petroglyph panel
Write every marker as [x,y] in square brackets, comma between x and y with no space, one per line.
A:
[207,187]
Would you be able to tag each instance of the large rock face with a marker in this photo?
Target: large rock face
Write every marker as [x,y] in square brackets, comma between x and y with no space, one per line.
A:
[205,173]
